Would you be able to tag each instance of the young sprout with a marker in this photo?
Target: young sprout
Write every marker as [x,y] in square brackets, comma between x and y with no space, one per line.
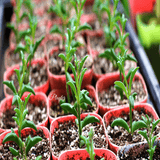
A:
[61,9]
[15,28]
[149,136]
[21,112]
[81,96]
[30,46]
[89,144]
[97,9]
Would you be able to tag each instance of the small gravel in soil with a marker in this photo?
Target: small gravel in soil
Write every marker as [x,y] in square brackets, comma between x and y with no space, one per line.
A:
[66,137]
[38,76]
[56,110]
[37,114]
[111,97]
[56,64]
[41,148]
[121,137]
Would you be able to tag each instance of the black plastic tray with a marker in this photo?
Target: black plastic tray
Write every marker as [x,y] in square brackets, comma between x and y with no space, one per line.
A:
[145,66]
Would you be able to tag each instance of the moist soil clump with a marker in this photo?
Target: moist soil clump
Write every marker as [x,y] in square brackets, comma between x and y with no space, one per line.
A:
[112,98]
[56,64]
[38,76]
[119,136]
[41,148]
[57,111]
[68,134]
[37,114]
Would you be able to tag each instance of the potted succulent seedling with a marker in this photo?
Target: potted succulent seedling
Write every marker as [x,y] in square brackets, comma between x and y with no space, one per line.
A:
[140,148]
[148,26]
[82,154]
[81,100]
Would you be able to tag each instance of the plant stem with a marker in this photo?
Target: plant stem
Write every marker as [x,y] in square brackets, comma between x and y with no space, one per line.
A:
[158,10]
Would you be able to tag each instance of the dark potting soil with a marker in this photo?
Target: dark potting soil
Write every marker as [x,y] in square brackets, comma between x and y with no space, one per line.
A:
[37,114]
[66,137]
[38,76]
[119,136]
[41,148]
[57,111]
[112,98]
[143,155]
[56,64]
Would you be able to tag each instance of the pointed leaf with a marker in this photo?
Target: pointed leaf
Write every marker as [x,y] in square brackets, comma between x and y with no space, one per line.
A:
[82,63]
[137,125]
[56,29]
[29,124]
[27,88]
[10,84]
[154,124]
[131,102]
[85,26]
[71,84]
[119,89]
[121,85]
[120,122]
[61,55]
[14,151]
[38,158]
[81,76]
[89,119]
[144,134]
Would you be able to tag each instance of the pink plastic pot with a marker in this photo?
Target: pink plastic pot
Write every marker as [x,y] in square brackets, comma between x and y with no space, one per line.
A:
[146,108]
[141,6]
[55,124]
[59,94]
[25,132]
[43,88]
[39,99]
[59,81]
[104,83]
[83,154]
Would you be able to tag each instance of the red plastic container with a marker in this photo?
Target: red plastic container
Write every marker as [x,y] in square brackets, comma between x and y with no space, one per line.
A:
[83,154]
[8,73]
[25,132]
[39,99]
[147,109]
[57,94]
[108,80]
[59,81]
[55,124]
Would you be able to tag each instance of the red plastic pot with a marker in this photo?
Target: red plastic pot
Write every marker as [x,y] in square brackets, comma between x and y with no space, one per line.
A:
[83,154]
[7,74]
[58,94]
[39,99]
[59,81]
[55,124]
[25,132]
[104,83]
[140,6]
[147,109]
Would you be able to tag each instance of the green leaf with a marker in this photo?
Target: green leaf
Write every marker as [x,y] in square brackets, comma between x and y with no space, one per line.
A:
[120,122]
[18,74]
[15,100]
[10,84]
[84,97]
[73,69]
[37,44]
[131,58]
[71,84]
[27,88]
[61,55]
[124,37]
[119,89]
[133,72]
[38,158]
[11,137]
[25,112]
[29,124]
[154,124]
[153,140]
[82,4]
[31,142]
[89,119]
[137,125]
[20,47]
[69,108]
[85,26]
[27,99]
[144,134]
[131,102]
[14,151]
[82,63]
[81,76]
[121,85]
[84,106]
[22,34]
[11,26]
[56,29]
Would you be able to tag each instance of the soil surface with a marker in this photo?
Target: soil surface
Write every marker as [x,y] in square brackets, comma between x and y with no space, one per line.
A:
[143,155]
[112,98]
[68,134]
[38,76]
[41,148]
[56,64]
[56,110]
[117,135]
[37,114]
